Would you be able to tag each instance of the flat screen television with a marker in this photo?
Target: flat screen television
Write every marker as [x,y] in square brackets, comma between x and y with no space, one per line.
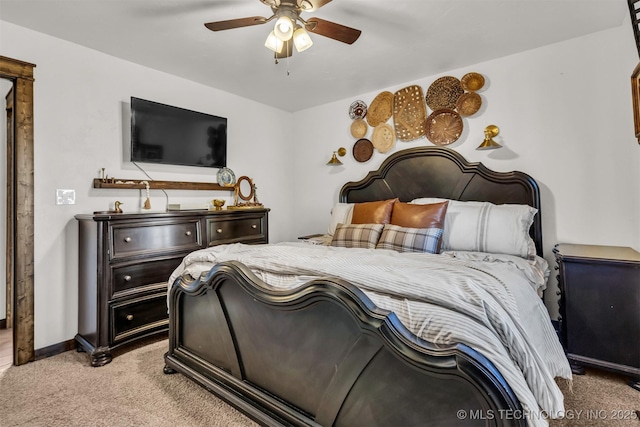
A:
[175,136]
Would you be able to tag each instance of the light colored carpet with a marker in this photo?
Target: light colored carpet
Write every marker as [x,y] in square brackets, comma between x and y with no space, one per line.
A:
[132,390]
[64,390]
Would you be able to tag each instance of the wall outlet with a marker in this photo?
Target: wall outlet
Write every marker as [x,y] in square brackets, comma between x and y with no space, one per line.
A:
[65,197]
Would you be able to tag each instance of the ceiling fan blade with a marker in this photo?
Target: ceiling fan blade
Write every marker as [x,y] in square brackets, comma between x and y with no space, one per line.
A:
[287,50]
[332,30]
[311,5]
[235,23]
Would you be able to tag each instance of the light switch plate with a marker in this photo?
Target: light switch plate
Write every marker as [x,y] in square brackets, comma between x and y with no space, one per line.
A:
[65,197]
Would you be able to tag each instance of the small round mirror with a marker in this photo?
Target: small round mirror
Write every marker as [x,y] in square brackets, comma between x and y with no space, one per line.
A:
[245,188]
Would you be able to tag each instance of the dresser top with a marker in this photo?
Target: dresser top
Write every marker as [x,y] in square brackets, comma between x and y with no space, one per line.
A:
[614,253]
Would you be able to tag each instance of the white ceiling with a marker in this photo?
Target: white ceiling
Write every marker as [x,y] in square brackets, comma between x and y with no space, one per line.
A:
[401,40]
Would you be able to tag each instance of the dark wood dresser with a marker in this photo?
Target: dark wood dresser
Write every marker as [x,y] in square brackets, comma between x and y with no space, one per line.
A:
[126,259]
[600,307]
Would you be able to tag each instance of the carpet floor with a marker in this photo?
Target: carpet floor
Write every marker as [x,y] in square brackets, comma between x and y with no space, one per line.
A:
[64,390]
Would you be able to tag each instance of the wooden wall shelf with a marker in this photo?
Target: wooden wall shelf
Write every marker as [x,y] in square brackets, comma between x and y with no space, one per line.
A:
[160,185]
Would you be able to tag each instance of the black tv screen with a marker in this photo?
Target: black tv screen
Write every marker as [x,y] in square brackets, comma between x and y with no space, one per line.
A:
[175,136]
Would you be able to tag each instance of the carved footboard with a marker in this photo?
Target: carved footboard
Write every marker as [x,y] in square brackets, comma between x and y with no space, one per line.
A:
[324,355]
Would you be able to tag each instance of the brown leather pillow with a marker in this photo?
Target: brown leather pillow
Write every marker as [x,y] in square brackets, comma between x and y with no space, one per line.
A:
[419,216]
[373,212]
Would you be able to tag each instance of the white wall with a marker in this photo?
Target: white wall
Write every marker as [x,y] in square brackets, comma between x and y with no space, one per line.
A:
[565,117]
[81,115]
[564,112]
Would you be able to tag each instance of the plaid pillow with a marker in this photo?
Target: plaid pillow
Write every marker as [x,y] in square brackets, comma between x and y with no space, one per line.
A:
[357,235]
[403,239]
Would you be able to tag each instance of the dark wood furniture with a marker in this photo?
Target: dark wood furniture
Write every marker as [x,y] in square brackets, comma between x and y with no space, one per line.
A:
[125,261]
[324,354]
[600,307]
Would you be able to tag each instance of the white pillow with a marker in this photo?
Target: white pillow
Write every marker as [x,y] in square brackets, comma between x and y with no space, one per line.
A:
[485,227]
[340,214]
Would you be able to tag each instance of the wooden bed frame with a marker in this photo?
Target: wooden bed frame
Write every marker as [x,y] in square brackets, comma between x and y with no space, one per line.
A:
[324,354]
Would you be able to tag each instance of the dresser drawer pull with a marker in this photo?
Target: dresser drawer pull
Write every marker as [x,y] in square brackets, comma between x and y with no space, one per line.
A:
[127,278]
[219,230]
[188,233]
[127,239]
[129,316]
[254,226]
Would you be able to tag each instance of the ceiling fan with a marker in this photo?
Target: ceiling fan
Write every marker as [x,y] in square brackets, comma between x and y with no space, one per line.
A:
[288,30]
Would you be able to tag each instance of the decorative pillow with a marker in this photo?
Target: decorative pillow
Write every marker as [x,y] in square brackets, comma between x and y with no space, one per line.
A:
[373,212]
[405,239]
[485,227]
[357,235]
[419,216]
[340,214]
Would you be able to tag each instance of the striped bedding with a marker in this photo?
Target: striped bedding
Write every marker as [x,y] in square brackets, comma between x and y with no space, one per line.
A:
[487,302]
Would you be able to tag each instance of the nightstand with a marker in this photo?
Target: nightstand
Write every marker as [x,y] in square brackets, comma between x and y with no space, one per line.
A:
[600,307]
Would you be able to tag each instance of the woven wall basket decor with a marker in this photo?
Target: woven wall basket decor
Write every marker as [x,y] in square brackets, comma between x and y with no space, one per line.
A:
[409,113]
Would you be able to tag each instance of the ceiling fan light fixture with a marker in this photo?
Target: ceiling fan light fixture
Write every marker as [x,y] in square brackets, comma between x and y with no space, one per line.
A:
[301,39]
[274,43]
[284,28]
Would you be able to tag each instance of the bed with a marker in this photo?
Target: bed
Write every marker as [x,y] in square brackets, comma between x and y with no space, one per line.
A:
[295,333]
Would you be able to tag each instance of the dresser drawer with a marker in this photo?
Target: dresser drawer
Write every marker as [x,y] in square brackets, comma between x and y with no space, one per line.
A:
[138,316]
[236,230]
[143,275]
[144,238]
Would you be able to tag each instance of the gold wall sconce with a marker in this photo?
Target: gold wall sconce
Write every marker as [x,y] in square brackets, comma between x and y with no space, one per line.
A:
[335,161]
[490,132]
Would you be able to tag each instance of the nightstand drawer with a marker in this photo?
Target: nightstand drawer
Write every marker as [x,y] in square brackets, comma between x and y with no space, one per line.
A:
[235,230]
[136,277]
[138,239]
[138,317]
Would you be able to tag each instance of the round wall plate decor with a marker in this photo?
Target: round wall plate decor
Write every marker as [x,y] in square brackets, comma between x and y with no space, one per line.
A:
[357,110]
[362,150]
[383,137]
[444,93]
[472,82]
[226,177]
[359,128]
[468,104]
[444,127]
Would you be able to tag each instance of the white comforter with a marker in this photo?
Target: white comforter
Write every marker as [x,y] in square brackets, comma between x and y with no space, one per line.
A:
[487,302]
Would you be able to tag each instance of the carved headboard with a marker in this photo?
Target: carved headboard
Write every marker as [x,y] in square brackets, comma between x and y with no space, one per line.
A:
[443,172]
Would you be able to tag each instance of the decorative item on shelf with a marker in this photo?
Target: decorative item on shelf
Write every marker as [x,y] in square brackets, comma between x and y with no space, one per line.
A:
[444,127]
[383,138]
[362,150]
[226,177]
[217,204]
[147,202]
[357,110]
[335,161]
[246,192]
[409,113]
[359,128]
[490,132]
[472,82]
[381,109]
[117,205]
[444,93]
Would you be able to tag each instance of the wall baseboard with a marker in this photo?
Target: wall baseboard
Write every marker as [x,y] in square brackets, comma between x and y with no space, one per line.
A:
[52,350]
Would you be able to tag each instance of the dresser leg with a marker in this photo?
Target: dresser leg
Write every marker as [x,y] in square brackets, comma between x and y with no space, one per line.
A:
[167,370]
[635,383]
[100,357]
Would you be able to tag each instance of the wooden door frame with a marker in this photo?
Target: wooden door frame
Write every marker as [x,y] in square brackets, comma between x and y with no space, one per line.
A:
[21,254]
